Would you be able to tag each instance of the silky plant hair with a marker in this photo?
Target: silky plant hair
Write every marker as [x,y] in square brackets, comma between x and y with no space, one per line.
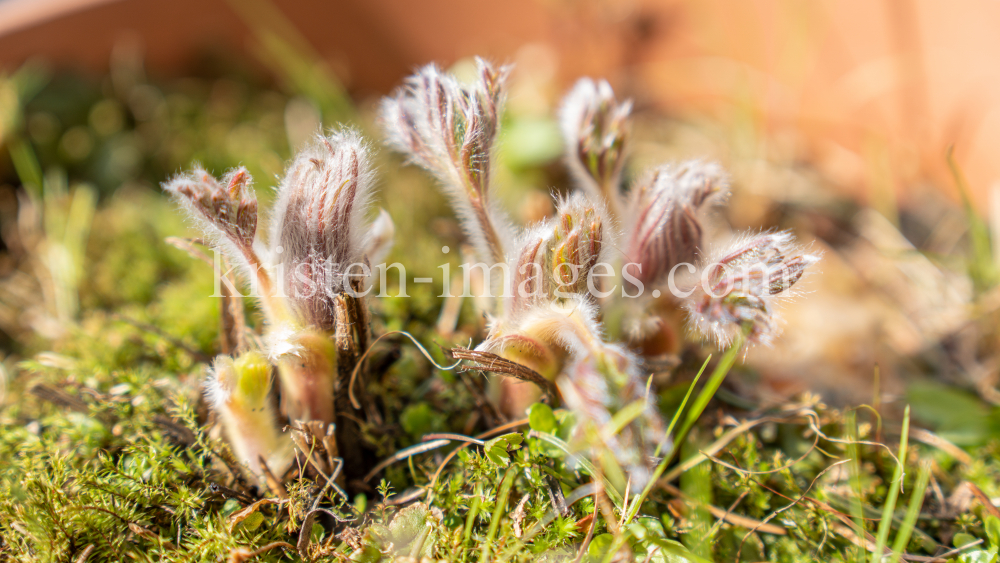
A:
[666,209]
[320,224]
[450,129]
[742,285]
[318,251]
[596,129]
[550,319]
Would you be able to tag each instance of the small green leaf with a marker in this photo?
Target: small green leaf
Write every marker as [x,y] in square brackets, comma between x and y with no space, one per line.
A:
[961,539]
[252,522]
[316,533]
[231,506]
[567,424]
[675,552]
[541,418]
[421,419]
[496,449]
[992,525]
[978,556]
[600,545]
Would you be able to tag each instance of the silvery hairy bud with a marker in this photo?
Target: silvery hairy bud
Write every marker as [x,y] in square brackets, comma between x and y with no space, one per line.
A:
[595,126]
[226,210]
[449,129]
[665,216]
[320,227]
[738,288]
[555,260]
[321,239]
[576,245]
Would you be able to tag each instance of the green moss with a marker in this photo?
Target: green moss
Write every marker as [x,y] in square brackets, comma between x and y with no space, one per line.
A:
[104,446]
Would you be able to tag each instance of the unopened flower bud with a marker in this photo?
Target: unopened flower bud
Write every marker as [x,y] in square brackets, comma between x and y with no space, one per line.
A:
[738,288]
[555,260]
[449,129]
[227,209]
[543,336]
[238,391]
[576,245]
[595,126]
[665,216]
[320,223]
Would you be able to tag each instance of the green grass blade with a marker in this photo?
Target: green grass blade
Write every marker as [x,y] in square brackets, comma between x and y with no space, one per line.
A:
[890,502]
[912,512]
[697,484]
[624,417]
[662,466]
[609,489]
[470,519]
[680,409]
[718,375]
[982,269]
[501,504]
[854,454]
[26,165]
[706,394]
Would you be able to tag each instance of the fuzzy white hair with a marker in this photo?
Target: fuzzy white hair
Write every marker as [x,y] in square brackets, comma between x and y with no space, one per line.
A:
[449,129]
[225,210]
[665,213]
[753,273]
[595,125]
[319,225]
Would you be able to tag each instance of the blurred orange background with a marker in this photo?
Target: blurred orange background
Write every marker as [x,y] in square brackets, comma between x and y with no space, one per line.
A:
[871,92]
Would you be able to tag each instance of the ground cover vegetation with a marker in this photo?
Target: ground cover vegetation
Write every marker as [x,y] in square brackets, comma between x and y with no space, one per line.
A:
[142,419]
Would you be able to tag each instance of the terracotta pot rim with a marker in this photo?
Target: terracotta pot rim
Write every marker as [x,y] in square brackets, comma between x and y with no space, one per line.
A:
[18,15]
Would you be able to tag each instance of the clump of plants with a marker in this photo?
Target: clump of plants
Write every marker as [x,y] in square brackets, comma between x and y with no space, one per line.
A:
[545,317]
[316,323]
[311,430]
[604,246]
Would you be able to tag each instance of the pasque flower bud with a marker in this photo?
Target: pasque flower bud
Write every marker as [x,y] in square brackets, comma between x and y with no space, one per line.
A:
[554,260]
[320,227]
[449,129]
[595,127]
[665,214]
[739,287]
[226,210]
[238,391]
[307,366]
[576,246]
[320,240]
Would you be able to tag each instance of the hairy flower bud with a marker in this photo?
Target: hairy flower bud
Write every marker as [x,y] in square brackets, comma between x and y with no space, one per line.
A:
[665,214]
[738,289]
[555,260]
[226,210]
[238,391]
[577,243]
[595,126]
[319,227]
[449,129]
